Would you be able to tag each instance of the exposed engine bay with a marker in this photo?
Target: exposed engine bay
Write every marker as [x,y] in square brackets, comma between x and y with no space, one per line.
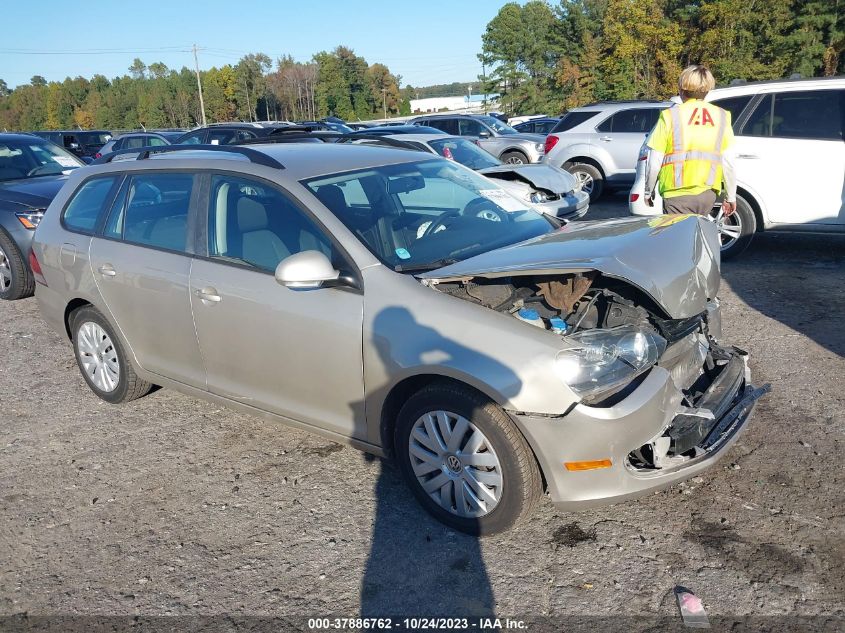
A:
[711,379]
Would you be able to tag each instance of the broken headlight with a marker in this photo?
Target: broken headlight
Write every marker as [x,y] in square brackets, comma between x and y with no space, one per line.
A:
[603,361]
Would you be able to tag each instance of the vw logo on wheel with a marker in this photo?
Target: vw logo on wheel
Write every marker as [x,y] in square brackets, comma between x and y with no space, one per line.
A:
[454,464]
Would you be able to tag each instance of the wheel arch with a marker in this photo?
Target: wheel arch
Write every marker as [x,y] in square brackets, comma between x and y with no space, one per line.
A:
[72,306]
[752,200]
[404,389]
[585,159]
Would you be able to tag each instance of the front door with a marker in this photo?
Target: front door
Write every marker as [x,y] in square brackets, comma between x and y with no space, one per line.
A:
[791,152]
[296,353]
[141,268]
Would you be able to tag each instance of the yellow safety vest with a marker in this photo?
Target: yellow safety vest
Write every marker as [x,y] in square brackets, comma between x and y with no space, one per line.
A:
[692,137]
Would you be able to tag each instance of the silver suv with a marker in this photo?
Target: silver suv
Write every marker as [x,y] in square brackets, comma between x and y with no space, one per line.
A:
[599,144]
[491,134]
[405,305]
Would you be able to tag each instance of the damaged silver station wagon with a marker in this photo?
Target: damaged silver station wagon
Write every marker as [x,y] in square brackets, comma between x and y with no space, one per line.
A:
[407,306]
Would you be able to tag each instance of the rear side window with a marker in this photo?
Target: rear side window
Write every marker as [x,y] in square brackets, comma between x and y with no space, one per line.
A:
[135,141]
[635,120]
[806,114]
[154,211]
[86,206]
[450,126]
[734,105]
[571,119]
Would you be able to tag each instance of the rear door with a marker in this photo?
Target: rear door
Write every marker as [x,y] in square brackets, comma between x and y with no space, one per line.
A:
[791,152]
[141,263]
[621,135]
[296,353]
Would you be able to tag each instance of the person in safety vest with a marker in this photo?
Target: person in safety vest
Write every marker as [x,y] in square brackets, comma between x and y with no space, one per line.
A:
[690,151]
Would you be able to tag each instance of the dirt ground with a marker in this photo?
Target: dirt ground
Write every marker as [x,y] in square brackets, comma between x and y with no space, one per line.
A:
[174,506]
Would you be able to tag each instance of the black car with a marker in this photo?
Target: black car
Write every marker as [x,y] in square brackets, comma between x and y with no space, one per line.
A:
[32,171]
[383,130]
[83,143]
[151,138]
[228,133]
[537,126]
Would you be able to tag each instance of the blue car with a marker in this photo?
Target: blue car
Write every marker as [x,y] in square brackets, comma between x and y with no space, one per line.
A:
[32,171]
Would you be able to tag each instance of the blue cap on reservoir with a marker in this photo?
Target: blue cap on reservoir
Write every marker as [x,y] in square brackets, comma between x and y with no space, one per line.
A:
[558,325]
[528,314]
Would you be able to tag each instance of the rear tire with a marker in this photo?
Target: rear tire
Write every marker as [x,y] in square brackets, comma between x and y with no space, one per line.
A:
[514,158]
[102,359]
[737,231]
[16,280]
[489,460]
[589,177]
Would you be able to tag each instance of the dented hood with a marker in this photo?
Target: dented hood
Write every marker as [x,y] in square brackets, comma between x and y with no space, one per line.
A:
[675,259]
[539,176]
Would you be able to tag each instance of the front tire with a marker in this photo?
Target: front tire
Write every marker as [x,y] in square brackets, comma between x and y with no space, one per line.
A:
[16,280]
[514,157]
[102,359]
[465,460]
[589,177]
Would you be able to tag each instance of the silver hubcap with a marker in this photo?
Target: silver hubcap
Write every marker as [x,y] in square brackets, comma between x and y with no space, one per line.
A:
[514,160]
[455,464]
[730,227]
[98,356]
[585,180]
[5,272]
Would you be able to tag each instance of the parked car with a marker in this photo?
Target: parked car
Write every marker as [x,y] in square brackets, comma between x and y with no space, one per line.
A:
[498,138]
[326,125]
[134,140]
[599,143]
[387,130]
[491,354]
[32,171]
[785,131]
[545,188]
[541,125]
[82,143]
[516,120]
[228,133]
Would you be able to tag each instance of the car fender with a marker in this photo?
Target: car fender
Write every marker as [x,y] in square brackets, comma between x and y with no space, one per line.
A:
[562,155]
[757,199]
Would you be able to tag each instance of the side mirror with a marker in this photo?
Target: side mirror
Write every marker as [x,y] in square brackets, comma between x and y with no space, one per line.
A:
[484,134]
[306,270]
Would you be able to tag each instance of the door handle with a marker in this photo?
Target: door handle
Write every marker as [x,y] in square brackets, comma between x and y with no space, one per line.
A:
[107,270]
[606,138]
[208,294]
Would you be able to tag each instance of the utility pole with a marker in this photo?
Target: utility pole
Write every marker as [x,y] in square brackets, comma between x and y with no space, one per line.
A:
[384,101]
[199,84]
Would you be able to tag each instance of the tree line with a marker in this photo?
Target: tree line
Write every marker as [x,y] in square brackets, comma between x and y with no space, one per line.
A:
[338,83]
[547,58]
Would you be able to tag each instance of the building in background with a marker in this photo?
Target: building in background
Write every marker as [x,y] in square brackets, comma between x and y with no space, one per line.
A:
[471,103]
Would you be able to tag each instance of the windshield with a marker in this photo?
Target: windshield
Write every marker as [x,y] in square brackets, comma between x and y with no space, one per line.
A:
[426,214]
[464,152]
[31,158]
[498,126]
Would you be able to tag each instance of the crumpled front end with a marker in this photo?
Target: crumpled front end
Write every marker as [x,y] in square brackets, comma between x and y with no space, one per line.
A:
[675,421]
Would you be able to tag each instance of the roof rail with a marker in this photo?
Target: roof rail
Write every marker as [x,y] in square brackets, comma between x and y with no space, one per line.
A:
[283,136]
[143,153]
[379,139]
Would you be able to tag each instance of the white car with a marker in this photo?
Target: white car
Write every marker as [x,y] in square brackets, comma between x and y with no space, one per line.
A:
[790,159]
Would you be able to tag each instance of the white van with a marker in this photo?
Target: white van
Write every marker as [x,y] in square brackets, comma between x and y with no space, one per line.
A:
[790,146]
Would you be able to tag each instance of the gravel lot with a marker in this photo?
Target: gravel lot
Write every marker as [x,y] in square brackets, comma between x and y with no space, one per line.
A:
[173,506]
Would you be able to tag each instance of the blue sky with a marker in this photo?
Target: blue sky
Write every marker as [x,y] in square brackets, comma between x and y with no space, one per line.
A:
[429,42]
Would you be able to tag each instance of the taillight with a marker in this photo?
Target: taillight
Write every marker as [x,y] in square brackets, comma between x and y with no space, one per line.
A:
[98,155]
[447,153]
[36,269]
[634,197]
[551,141]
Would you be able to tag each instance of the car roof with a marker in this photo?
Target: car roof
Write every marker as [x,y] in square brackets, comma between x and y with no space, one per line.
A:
[604,106]
[19,136]
[425,138]
[300,160]
[753,87]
